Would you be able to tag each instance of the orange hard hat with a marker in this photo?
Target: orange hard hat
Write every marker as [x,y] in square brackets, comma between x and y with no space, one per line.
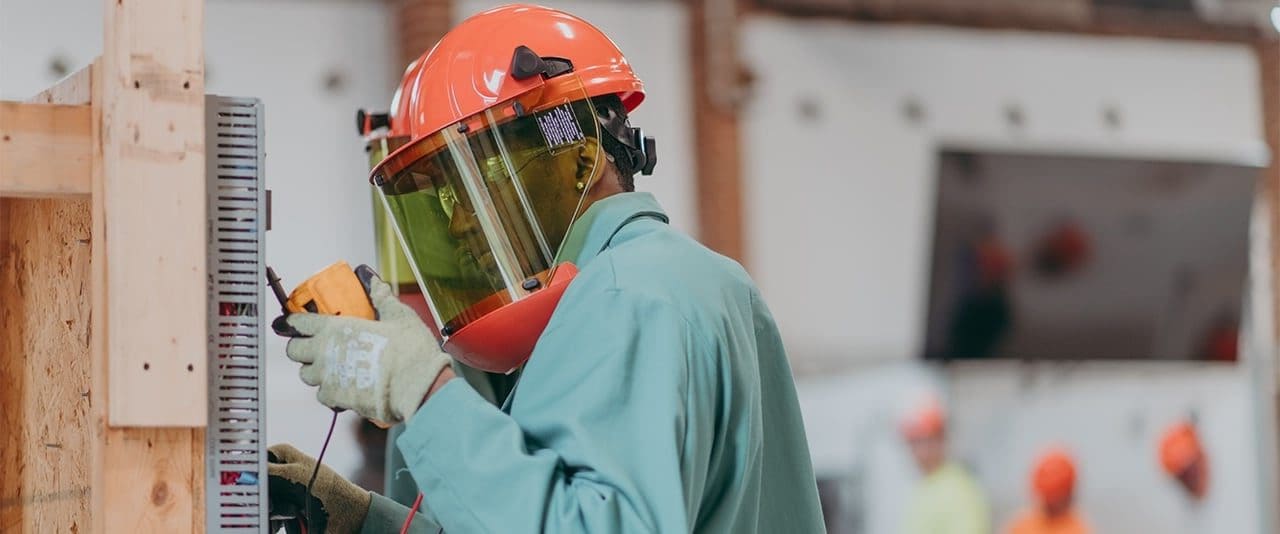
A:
[479,64]
[379,125]
[474,67]
[1179,448]
[475,128]
[926,421]
[1054,477]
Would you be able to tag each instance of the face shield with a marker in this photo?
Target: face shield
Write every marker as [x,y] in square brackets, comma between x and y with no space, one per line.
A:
[482,208]
[392,264]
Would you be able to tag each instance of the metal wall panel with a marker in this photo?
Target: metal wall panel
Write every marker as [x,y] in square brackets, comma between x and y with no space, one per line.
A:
[235,445]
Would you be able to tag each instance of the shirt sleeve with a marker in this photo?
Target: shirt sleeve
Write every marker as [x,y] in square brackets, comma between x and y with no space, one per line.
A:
[597,439]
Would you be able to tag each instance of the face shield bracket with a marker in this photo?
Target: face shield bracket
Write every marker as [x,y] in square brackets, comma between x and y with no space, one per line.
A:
[525,64]
[368,121]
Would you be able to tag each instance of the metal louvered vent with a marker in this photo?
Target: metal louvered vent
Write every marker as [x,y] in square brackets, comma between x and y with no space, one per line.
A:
[235,451]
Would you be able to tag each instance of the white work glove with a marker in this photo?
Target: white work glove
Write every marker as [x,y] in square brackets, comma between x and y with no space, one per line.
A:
[381,369]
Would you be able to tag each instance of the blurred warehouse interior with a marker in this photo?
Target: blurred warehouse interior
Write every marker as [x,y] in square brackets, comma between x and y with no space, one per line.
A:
[1104,165]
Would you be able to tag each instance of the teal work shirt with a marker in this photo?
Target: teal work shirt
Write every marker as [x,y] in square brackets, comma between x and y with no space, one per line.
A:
[658,399]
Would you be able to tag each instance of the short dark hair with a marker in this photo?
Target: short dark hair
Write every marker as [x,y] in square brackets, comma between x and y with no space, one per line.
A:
[606,105]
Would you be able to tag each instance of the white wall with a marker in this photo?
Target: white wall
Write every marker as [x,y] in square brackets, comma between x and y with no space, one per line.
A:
[654,37]
[840,182]
[863,173]
[282,52]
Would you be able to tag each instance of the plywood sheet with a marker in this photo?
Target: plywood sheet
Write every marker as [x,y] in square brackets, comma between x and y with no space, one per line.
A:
[44,365]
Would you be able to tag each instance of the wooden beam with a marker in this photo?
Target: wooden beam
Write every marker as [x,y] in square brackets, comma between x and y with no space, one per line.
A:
[149,276]
[44,150]
[75,88]
[717,77]
[45,450]
[1061,16]
[153,195]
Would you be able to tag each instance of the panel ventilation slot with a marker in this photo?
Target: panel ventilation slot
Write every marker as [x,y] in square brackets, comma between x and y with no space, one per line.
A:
[235,451]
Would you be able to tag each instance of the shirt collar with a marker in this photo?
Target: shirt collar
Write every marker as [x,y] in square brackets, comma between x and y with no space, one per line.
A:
[598,224]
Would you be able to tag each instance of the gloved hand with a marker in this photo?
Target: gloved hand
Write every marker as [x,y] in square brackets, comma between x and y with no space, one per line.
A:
[337,505]
[382,369]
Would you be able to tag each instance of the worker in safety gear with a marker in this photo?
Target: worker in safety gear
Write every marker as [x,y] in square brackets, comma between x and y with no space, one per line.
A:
[947,500]
[1054,482]
[1183,458]
[653,391]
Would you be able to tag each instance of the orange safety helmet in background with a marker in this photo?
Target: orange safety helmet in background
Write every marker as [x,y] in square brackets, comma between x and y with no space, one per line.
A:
[491,145]
[383,136]
[1183,457]
[1179,448]
[1054,477]
[928,420]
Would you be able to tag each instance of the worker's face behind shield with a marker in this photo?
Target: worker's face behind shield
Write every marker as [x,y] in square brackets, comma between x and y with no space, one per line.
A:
[483,206]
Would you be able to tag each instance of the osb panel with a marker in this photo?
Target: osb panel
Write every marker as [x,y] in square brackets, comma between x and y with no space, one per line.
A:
[44,365]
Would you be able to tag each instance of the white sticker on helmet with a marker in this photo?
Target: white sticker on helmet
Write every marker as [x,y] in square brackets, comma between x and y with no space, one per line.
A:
[560,127]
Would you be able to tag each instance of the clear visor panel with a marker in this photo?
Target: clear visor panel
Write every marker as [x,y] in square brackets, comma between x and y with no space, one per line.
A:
[393,266]
[483,206]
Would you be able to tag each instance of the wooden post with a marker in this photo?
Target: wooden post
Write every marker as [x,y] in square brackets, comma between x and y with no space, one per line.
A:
[716,94]
[154,199]
[103,320]
[148,271]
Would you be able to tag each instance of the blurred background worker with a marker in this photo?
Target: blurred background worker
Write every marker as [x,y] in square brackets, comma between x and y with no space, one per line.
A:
[984,312]
[947,500]
[1054,482]
[1182,456]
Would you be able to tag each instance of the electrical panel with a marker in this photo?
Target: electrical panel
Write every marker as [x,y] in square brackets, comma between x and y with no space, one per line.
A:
[235,448]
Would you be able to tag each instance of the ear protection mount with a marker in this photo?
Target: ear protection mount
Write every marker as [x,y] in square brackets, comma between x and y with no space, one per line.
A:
[641,149]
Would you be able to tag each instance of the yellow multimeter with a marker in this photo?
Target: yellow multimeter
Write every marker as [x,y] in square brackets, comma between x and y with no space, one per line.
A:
[336,290]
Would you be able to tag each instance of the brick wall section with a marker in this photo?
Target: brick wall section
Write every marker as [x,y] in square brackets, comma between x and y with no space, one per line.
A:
[418,25]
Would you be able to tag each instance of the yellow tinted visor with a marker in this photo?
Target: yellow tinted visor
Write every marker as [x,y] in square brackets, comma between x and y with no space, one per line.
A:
[482,207]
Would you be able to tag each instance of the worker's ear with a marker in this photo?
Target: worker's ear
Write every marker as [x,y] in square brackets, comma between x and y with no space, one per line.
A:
[591,161]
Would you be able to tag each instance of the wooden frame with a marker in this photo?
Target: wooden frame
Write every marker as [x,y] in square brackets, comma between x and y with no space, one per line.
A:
[102,272]
[45,150]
